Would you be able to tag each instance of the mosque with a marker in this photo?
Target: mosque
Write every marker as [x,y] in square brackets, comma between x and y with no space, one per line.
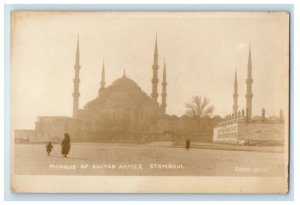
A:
[122,112]
[240,127]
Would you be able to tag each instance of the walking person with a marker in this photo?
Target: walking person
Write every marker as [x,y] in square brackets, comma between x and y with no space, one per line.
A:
[49,148]
[65,145]
[187,144]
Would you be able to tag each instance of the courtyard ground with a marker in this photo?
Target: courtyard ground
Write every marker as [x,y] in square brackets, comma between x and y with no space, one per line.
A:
[158,158]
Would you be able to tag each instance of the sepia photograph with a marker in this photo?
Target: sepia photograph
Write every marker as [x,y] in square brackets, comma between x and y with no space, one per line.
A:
[149,102]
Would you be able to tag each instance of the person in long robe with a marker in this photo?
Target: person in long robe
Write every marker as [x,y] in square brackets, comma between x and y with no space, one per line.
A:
[66,145]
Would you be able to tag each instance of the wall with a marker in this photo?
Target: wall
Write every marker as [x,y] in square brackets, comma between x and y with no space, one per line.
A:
[261,131]
[241,132]
[23,136]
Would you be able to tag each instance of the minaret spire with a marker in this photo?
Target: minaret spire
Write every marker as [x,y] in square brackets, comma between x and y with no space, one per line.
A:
[235,96]
[76,81]
[164,91]
[155,67]
[77,51]
[249,81]
[155,51]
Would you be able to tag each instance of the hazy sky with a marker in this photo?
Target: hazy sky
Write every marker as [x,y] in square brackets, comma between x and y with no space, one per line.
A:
[202,51]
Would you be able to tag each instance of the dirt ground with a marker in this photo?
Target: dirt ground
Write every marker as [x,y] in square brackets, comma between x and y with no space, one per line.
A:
[165,158]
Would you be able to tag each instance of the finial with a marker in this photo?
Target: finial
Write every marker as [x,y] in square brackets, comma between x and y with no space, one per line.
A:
[124,73]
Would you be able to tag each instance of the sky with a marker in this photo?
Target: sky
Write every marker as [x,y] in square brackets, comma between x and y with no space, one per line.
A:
[202,50]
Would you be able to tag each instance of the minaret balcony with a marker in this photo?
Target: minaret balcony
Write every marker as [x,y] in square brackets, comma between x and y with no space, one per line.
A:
[76,95]
[76,80]
[154,80]
[249,80]
[155,67]
[154,96]
[77,67]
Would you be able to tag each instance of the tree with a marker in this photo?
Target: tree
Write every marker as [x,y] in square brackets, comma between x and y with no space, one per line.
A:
[198,107]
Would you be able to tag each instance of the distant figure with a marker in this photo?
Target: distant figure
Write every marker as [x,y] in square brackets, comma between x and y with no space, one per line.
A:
[49,148]
[281,115]
[65,145]
[263,115]
[187,144]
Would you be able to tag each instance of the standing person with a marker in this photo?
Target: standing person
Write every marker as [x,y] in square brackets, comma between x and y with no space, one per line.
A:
[65,145]
[187,144]
[49,148]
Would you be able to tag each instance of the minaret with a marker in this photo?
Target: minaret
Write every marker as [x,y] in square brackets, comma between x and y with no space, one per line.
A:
[249,82]
[102,83]
[103,76]
[235,96]
[76,81]
[164,91]
[155,67]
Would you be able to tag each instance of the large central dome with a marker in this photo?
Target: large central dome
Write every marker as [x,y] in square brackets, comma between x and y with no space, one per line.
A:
[122,94]
[125,83]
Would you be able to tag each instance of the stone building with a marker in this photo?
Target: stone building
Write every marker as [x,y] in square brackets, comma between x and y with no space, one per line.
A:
[122,112]
[241,128]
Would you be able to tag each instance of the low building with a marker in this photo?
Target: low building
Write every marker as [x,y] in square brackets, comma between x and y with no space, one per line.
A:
[24,136]
[243,131]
